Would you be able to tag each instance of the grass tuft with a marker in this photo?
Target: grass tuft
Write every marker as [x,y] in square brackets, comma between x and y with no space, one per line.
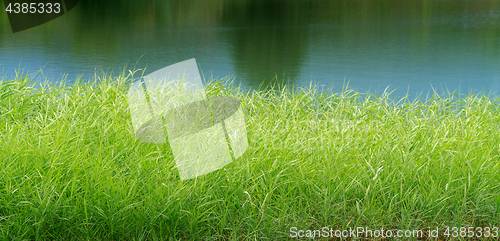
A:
[71,168]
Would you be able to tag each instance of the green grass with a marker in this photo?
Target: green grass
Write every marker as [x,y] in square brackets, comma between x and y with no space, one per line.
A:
[72,170]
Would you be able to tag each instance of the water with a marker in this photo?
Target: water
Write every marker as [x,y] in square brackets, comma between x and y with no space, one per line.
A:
[409,46]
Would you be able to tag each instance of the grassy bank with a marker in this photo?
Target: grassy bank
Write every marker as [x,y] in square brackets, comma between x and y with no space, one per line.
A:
[71,169]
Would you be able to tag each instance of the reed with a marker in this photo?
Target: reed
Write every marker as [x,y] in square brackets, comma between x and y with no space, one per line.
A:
[72,170]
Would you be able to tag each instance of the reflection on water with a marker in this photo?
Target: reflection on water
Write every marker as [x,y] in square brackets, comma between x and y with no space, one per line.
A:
[370,43]
[268,39]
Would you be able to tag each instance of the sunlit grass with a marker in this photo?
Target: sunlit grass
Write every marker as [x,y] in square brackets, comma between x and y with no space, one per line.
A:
[71,168]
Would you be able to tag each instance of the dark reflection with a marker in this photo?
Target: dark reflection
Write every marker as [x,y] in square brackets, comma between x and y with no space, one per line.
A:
[269,39]
[131,28]
[156,14]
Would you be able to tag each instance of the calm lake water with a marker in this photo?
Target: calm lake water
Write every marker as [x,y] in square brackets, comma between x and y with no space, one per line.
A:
[407,45]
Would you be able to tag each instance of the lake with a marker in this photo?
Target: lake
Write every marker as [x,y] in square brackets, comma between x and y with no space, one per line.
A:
[409,46]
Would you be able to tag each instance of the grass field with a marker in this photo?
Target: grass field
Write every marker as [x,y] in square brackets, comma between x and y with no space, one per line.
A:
[72,170]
